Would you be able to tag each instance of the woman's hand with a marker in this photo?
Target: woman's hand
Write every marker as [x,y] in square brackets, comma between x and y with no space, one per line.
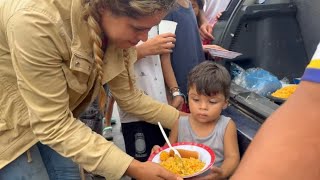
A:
[161,44]
[149,170]
[216,173]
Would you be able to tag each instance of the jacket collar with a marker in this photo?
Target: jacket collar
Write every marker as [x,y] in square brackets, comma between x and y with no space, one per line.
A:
[80,32]
[113,63]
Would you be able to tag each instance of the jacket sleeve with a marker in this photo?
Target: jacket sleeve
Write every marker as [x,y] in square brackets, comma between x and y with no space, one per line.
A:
[42,84]
[134,101]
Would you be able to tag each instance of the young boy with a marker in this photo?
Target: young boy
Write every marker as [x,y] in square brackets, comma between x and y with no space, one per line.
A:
[208,90]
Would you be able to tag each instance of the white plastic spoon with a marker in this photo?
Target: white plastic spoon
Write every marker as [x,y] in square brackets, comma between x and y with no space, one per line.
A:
[167,140]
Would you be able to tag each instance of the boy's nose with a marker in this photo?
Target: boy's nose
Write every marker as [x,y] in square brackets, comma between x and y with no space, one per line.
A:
[203,106]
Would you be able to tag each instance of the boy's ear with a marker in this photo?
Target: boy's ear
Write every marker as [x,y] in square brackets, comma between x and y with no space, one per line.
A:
[225,104]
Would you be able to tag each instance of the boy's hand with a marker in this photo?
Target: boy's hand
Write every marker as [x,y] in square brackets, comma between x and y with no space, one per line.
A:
[216,173]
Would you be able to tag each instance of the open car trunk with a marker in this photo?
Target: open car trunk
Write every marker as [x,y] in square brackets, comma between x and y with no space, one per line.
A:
[279,36]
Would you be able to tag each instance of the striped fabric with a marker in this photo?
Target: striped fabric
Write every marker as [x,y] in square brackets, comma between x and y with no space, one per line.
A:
[312,72]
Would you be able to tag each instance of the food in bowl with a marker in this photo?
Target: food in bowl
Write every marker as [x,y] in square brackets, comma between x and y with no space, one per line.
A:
[198,151]
[186,165]
[285,92]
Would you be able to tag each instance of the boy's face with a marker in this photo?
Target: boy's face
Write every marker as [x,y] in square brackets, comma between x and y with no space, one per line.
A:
[195,7]
[206,108]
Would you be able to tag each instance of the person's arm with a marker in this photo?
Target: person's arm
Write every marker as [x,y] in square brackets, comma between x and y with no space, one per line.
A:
[170,80]
[287,144]
[205,28]
[134,101]
[160,44]
[202,17]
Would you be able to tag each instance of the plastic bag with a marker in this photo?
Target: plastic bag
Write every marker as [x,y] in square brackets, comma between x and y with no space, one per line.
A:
[256,80]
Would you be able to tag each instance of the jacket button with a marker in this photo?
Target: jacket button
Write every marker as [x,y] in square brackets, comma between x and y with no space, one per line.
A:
[77,63]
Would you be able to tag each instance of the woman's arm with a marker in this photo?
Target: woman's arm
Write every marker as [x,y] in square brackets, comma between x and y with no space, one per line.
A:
[134,101]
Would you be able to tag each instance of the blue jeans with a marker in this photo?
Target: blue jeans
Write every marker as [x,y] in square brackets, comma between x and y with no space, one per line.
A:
[46,164]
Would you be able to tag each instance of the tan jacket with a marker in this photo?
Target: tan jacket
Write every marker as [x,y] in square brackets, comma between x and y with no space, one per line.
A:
[47,77]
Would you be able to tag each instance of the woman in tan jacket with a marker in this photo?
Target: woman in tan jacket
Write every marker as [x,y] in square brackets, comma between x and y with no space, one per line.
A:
[52,65]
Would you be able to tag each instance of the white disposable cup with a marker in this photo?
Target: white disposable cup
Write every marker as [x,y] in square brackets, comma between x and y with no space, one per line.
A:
[166,26]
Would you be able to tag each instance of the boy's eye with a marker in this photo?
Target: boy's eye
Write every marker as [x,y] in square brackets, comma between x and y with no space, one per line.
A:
[194,99]
[212,102]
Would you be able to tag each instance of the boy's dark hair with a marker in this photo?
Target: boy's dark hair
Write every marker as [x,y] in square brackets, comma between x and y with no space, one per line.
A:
[210,78]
